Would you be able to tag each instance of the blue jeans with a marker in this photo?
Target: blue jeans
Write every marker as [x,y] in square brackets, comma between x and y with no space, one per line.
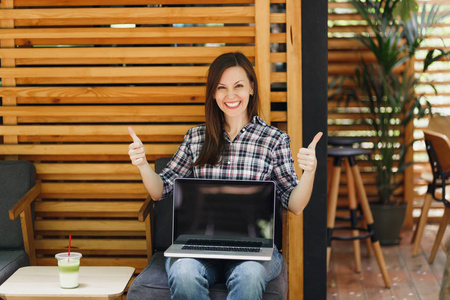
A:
[190,278]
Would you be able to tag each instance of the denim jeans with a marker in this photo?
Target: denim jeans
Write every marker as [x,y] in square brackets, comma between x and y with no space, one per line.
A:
[190,278]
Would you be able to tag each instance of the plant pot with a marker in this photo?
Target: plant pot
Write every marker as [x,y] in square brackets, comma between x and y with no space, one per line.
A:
[388,222]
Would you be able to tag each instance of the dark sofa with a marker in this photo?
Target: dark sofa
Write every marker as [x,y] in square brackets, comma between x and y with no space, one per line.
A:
[16,179]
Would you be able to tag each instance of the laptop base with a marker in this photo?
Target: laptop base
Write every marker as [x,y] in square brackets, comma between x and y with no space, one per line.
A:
[175,251]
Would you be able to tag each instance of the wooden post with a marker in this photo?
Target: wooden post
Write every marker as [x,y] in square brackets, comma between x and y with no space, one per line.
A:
[294,126]
[409,172]
[8,101]
[262,55]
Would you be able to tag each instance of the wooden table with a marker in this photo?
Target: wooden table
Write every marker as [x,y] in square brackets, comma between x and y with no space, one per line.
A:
[43,283]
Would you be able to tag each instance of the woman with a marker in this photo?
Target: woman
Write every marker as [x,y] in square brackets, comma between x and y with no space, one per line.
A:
[235,143]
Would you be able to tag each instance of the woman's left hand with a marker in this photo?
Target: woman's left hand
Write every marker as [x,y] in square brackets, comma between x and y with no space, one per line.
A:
[306,157]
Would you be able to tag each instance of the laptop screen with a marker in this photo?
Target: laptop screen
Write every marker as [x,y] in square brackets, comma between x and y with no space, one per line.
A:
[224,209]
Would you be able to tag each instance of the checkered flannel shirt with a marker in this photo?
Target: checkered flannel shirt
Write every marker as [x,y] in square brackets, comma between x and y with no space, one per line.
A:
[259,152]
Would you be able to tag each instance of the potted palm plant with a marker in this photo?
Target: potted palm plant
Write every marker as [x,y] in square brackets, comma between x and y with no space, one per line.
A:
[385,90]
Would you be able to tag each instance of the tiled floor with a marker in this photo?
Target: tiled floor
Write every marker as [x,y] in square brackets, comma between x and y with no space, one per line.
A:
[411,277]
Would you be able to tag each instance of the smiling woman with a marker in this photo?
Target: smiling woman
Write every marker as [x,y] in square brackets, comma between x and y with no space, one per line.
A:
[225,74]
[234,144]
[232,97]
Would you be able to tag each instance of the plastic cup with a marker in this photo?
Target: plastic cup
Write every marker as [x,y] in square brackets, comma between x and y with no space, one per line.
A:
[68,267]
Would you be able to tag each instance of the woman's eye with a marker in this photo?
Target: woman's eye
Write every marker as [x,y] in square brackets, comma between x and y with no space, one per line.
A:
[220,87]
[239,85]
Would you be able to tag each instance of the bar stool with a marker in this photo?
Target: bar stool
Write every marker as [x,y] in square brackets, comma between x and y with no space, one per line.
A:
[346,141]
[343,141]
[350,141]
[355,187]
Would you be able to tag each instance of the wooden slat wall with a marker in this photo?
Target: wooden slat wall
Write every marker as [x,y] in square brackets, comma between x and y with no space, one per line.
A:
[343,56]
[72,84]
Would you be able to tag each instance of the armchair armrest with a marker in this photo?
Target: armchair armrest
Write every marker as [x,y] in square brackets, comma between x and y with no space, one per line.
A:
[23,209]
[25,201]
[145,209]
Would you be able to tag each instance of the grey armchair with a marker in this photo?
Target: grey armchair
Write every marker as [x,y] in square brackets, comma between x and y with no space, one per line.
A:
[17,184]
[152,282]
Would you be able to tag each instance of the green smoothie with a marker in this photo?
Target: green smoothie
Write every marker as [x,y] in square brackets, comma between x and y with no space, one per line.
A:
[69,266]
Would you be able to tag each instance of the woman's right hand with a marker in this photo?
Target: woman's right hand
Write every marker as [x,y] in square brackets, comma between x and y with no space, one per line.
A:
[136,150]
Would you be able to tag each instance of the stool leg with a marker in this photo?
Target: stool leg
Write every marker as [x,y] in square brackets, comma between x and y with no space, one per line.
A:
[417,237]
[332,204]
[353,206]
[369,219]
[329,171]
[444,221]
[368,243]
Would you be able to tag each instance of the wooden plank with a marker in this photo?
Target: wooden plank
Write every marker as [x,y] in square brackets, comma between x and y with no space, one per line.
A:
[95,130]
[141,33]
[87,171]
[85,227]
[350,56]
[277,17]
[102,110]
[113,119]
[80,149]
[158,74]
[278,37]
[115,55]
[95,139]
[342,44]
[109,80]
[131,36]
[44,3]
[346,16]
[103,209]
[97,190]
[76,168]
[278,77]
[340,5]
[87,246]
[128,15]
[105,94]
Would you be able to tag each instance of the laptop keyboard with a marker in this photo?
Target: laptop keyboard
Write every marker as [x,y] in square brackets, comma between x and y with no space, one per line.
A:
[218,245]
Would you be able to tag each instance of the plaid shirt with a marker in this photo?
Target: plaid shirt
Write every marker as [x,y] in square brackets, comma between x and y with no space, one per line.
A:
[259,152]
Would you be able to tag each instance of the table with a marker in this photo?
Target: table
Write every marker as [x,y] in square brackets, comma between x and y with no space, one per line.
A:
[39,282]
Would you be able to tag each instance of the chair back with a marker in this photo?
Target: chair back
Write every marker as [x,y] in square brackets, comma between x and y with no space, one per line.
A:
[162,217]
[438,150]
[439,143]
[162,214]
[16,179]
[440,124]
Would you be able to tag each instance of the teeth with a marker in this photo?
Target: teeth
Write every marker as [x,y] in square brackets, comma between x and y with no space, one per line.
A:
[233,104]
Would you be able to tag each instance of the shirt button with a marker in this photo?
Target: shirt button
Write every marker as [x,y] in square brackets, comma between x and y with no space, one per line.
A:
[229,162]
[243,130]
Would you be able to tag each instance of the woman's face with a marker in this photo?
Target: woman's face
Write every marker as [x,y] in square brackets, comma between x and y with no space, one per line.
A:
[233,93]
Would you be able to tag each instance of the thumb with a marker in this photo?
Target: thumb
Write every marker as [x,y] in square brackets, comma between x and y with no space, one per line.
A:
[315,140]
[133,135]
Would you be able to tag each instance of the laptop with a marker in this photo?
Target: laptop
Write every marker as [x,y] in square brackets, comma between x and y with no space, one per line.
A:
[223,219]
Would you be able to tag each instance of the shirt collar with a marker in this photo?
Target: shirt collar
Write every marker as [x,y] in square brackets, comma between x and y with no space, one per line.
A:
[256,120]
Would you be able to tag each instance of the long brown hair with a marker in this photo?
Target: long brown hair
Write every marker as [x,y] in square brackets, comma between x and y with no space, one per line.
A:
[215,145]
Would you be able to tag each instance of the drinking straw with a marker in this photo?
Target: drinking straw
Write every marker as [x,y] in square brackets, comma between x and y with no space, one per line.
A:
[70,240]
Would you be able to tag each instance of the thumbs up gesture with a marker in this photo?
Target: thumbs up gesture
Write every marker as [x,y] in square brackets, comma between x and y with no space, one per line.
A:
[136,150]
[306,157]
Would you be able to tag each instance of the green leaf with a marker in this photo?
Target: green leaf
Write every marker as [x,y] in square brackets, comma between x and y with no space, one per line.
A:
[404,9]
[430,58]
